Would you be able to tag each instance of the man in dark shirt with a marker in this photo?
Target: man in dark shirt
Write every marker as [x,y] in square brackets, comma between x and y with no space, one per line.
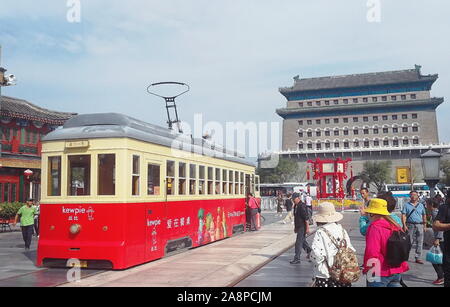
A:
[301,228]
[442,223]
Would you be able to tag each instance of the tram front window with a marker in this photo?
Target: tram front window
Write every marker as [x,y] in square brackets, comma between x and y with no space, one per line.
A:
[54,176]
[182,178]
[79,175]
[170,177]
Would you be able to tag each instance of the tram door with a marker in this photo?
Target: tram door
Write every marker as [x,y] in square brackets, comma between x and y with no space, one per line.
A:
[248,186]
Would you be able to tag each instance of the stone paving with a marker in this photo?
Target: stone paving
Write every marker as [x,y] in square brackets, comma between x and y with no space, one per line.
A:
[254,259]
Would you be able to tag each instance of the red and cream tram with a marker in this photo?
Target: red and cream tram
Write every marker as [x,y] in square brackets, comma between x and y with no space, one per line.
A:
[118,192]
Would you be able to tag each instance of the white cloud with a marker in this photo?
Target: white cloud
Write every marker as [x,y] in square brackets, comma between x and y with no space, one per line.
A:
[234,54]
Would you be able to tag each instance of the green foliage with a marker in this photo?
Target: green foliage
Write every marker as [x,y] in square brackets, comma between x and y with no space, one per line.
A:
[445,167]
[9,210]
[378,173]
[286,171]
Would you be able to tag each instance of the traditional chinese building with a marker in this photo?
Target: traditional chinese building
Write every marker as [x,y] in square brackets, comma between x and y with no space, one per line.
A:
[23,124]
[372,116]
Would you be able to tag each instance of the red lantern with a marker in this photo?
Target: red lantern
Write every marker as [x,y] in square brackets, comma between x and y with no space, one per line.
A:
[28,173]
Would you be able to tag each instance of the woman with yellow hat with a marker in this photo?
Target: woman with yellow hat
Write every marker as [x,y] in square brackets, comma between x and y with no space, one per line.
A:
[379,272]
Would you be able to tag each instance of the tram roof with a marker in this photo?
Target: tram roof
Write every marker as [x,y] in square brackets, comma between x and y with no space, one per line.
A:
[115,125]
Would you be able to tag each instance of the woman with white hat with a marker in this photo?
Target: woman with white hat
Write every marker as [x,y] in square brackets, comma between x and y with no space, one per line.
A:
[324,247]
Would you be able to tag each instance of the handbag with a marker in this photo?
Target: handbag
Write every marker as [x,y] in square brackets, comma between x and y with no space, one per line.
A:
[435,255]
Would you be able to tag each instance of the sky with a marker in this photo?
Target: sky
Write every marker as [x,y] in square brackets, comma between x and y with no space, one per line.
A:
[233,54]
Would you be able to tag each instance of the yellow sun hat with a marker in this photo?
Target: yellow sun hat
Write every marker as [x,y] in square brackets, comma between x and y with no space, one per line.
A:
[377,206]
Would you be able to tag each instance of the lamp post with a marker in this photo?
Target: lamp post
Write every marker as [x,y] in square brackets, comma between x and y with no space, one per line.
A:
[431,169]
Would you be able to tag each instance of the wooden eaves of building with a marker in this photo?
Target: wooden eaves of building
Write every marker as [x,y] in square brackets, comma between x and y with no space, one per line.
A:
[23,125]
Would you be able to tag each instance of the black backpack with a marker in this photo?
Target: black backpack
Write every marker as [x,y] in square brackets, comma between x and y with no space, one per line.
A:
[398,248]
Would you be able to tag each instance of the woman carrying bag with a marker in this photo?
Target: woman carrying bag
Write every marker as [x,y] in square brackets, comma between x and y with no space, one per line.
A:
[434,256]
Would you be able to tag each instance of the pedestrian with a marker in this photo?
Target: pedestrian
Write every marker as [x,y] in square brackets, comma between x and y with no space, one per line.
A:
[280,203]
[301,228]
[365,196]
[364,220]
[414,218]
[36,219]
[26,214]
[324,247]
[376,263]
[442,223]
[254,210]
[288,205]
[308,201]
[438,242]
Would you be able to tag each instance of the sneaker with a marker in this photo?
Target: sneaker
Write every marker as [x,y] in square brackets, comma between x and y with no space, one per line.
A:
[438,282]
[294,262]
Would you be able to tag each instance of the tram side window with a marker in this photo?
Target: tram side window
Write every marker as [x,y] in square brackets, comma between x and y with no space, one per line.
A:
[170,178]
[153,179]
[135,176]
[217,181]
[54,176]
[230,182]
[242,182]
[182,178]
[79,183]
[236,183]
[210,181]
[192,178]
[224,182]
[106,174]
[257,183]
[201,183]
[253,183]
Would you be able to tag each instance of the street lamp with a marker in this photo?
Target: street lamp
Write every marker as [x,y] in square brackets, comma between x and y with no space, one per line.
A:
[431,169]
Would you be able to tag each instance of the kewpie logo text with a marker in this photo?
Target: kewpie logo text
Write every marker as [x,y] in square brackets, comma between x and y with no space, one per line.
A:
[74,212]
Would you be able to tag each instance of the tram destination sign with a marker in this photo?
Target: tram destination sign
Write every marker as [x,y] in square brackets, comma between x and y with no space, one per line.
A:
[77,144]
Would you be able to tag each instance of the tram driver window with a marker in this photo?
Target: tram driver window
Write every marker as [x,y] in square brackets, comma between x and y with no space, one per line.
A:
[153,179]
[217,181]
[135,176]
[170,178]
[236,182]
[79,173]
[106,174]
[54,176]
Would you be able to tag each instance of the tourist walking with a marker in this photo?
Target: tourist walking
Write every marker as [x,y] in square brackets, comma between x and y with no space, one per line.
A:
[326,244]
[280,203]
[438,243]
[365,196]
[380,273]
[442,223]
[308,201]
[288,205]
[254,210]
[414,218]
[301,228]
[26,214]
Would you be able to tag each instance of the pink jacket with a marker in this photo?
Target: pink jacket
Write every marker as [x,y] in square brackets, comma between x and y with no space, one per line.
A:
[377,236]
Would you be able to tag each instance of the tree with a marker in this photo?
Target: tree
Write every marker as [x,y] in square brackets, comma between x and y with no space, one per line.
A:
[445,167]
[286,170]
[378,173]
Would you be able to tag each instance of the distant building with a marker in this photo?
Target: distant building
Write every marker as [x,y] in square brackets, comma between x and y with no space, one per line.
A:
[23,124]
[373,116]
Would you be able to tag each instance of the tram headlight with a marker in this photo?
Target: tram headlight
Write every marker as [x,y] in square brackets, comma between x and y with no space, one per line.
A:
[75,229]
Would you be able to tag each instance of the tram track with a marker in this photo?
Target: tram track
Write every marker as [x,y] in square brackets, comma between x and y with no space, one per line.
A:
[49,277]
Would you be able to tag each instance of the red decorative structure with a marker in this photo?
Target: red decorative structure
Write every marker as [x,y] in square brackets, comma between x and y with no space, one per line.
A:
[329,175]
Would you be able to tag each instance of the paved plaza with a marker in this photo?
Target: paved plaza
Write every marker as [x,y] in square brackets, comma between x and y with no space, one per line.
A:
[254,259]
